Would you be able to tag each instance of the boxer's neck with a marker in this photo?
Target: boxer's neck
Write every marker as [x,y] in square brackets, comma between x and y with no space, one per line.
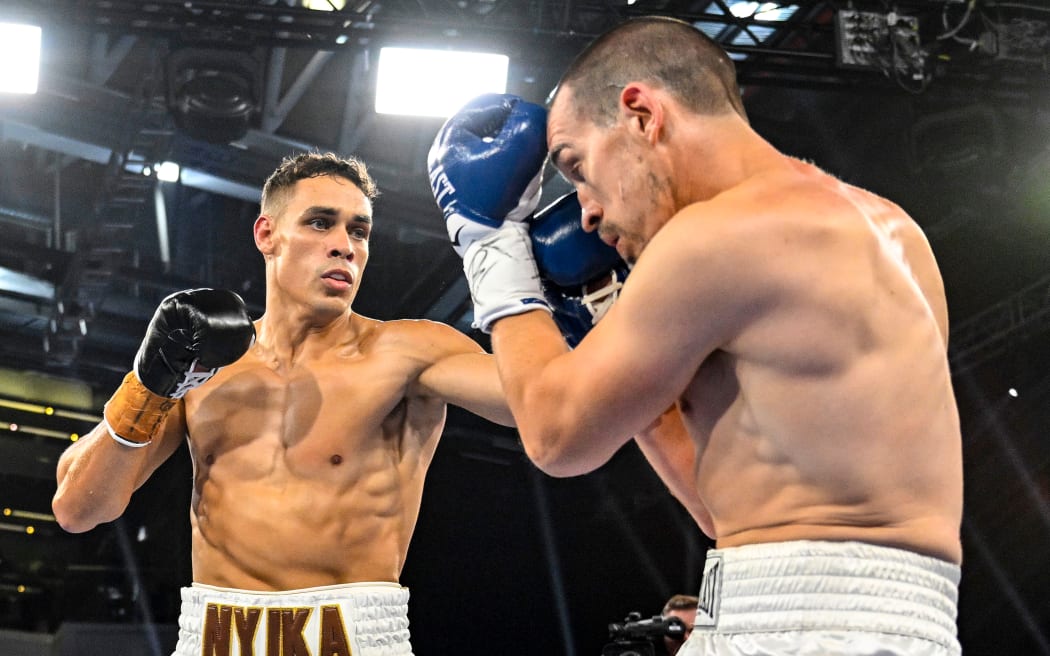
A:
[289,338]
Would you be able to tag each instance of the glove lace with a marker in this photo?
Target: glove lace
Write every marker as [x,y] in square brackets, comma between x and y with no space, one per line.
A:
[600,300]
[192,379]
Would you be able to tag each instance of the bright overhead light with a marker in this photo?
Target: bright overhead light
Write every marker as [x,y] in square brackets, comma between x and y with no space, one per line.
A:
[19,57]
[435,82]
[768,11]
[324,5]
[168,172]
[743,9]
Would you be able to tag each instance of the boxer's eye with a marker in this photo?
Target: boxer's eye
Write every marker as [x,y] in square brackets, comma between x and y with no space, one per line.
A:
[574,175]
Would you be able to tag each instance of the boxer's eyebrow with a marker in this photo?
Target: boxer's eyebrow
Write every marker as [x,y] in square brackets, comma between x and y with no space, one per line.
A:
[334,212]
[320,209]
[556,155]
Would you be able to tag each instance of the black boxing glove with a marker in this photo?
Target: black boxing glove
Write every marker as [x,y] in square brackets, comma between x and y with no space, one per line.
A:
[192,335]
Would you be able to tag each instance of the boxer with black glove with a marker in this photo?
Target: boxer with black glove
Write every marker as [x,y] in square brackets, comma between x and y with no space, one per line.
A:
[309,452]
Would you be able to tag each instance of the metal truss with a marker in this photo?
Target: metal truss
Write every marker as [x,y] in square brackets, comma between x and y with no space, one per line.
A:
[1003,45]
[993,331]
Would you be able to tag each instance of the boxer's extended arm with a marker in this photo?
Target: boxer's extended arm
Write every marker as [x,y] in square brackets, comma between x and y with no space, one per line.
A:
[471,381]
[462,374]
[192,334]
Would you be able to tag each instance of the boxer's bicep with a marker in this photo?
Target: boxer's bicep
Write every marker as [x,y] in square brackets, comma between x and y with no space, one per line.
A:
[649,346]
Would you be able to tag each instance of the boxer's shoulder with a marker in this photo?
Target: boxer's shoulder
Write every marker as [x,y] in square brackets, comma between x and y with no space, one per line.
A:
[422,339]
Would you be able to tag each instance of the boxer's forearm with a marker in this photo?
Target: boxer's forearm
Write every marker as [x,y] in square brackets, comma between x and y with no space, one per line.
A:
[96,477]
[542,393]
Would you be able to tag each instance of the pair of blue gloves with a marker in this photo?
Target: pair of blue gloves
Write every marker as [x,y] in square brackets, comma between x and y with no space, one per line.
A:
[485,169]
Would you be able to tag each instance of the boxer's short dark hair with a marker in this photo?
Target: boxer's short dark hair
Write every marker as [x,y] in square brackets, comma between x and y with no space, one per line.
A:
[313,165]
[667,52]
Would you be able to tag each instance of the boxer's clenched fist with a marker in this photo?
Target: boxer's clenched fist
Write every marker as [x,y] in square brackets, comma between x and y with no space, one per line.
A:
[485,170]
[192,334]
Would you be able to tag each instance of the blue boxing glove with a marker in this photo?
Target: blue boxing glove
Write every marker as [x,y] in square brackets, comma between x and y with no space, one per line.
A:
[581,275]
[485,169]
[485,165]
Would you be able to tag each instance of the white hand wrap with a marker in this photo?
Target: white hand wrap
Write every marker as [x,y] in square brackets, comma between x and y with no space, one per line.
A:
[502,275]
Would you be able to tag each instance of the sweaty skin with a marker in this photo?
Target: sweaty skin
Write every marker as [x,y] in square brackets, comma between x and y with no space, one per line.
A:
[795,325]
[309,452]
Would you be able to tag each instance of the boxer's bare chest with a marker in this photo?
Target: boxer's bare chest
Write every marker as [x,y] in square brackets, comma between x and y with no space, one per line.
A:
[317,409]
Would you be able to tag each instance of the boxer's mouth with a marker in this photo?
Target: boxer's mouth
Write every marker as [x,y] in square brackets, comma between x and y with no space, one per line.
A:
[338,276]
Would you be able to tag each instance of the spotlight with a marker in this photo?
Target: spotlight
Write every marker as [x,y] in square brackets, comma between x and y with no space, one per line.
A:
[437,83]
[168,172]
[19,57]
[324,5]
[213,94]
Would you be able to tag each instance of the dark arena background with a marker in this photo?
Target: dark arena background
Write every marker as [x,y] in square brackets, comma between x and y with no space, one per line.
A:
[943,106]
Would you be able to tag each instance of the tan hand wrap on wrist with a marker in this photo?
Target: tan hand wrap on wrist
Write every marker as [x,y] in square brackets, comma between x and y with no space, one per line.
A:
[134,414]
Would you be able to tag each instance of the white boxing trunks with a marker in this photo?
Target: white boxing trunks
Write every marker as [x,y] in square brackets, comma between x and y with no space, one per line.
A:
[809,598]
[359,619]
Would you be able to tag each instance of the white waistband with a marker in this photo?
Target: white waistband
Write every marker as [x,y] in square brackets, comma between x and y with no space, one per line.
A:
[366,619]
[382,591]
[832,586]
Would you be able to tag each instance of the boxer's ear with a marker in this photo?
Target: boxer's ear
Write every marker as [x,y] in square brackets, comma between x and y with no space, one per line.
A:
[263,229]
[643,109]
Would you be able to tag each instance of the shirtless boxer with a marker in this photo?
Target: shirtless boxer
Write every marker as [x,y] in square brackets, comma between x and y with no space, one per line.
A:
[795,326]
[309,448]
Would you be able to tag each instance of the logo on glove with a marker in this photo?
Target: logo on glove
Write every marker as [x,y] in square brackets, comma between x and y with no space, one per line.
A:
[442,186]
[455,237]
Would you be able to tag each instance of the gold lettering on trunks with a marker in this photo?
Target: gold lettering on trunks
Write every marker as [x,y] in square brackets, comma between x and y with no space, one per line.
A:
[284,631]
[219,619]
[333,634]
[215,639]
[247,622]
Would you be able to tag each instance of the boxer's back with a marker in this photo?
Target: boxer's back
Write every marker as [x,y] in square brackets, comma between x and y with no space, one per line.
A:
[831,415]
[310,474]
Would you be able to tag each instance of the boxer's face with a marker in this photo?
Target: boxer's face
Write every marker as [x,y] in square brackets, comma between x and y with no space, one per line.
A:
[618,193]
[317,246]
